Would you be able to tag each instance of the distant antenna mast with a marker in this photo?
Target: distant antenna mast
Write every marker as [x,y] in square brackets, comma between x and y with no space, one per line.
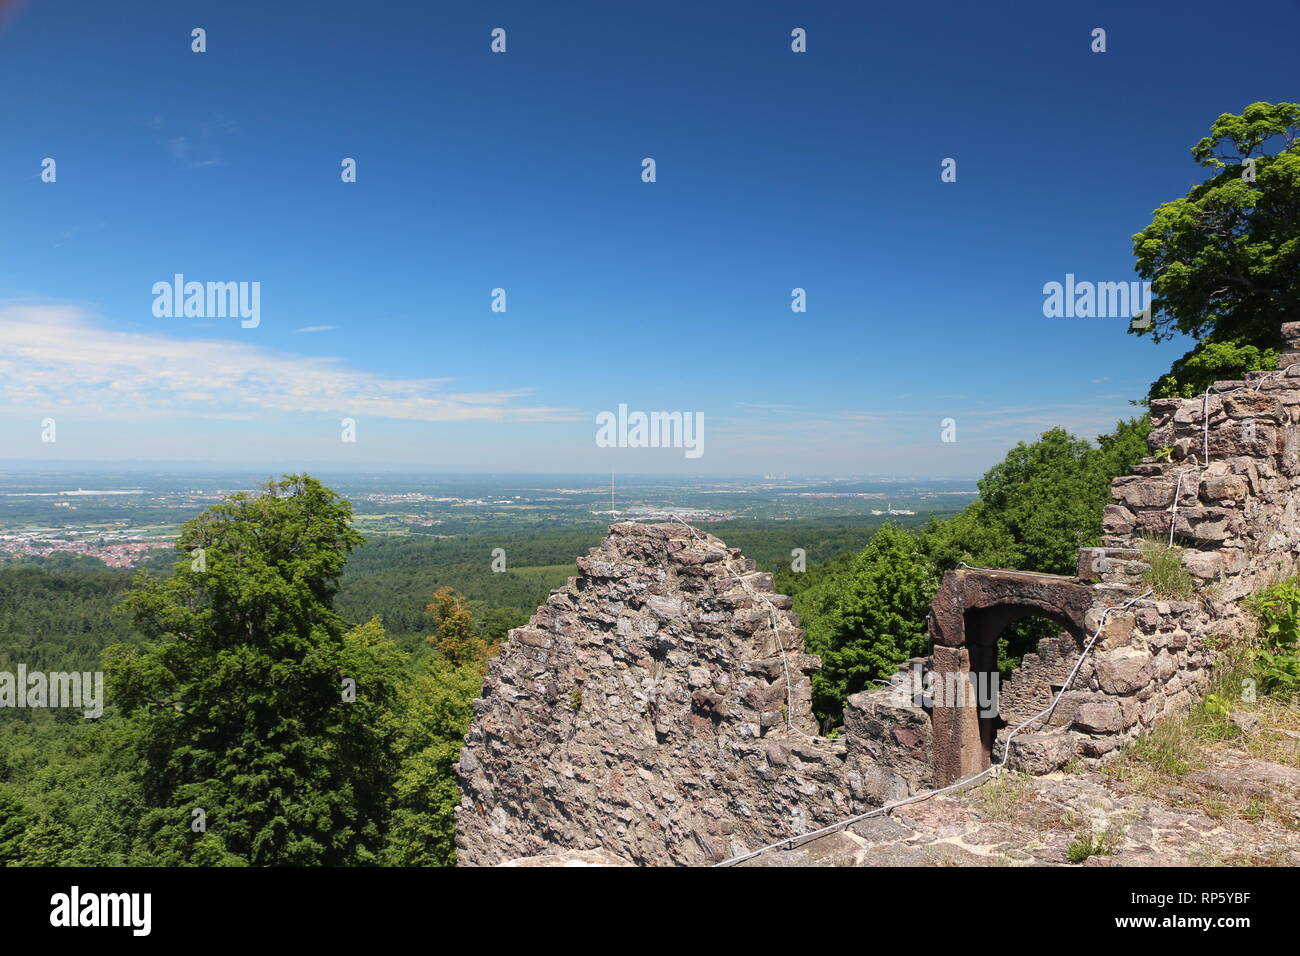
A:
[611,491]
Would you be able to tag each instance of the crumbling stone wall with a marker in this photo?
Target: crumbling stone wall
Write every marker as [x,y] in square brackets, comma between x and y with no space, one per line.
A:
[648,709]
[658,706]
[1223,477]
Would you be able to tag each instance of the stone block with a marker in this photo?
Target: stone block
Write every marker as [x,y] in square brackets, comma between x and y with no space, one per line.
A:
[1091,563]
[1207,524]
[1117,519]
[1232,487]
[1123,670]
[1101,717]
[1136,491]
[1164,667]
[1255,405]
[1205,565]
[1117,631]
[1242,437]
[1098,746]
[1040,753]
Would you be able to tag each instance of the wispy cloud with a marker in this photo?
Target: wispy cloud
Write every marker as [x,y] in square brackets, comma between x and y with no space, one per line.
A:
[77,229]
[196,144]
[55,357]
[317,328]
[191,153]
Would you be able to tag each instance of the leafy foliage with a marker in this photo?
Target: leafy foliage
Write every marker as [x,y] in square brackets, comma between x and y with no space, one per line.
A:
[59,618]
[13,824]
[393,577]
[234,704]
[455,640]
[1278,660]
[1049,496]
[438,708]
[1213,361]
[873,619]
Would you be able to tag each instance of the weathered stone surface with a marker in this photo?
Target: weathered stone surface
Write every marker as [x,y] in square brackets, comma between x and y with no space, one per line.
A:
[1039,753]
[1117,519]
[1248,724]
[1103,717]
[1019,820]
[1203,564]
[1091,563]
[892,731]
[1208,524]
[1259,779]
[1034,684]
[1117,631]
[1291,335]
[1241,437]
[1139,492]
[1124,670]
[1254,405]
[655,713]
[570,858]
[1228,486]
[964,590]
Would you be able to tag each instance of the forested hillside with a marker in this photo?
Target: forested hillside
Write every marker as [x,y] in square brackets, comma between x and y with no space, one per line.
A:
[57,613]
[393,577]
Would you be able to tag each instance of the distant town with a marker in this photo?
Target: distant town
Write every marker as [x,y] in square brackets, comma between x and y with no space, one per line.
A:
[121,549]
[123,519]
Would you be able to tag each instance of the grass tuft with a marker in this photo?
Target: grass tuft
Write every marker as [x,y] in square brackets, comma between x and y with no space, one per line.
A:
[1165,574]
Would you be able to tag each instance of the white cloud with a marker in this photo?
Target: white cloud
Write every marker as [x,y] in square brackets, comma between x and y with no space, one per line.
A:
[54,357]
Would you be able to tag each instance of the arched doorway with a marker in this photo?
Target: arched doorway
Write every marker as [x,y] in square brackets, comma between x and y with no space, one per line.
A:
[999,639]
[971,611]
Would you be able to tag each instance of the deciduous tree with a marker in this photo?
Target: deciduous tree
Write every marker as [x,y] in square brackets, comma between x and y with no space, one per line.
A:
[242,695]
[1224,260]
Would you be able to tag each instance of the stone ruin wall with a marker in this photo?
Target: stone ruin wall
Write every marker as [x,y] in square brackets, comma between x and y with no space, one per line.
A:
[1229,491]
[1232,462]
[645,712]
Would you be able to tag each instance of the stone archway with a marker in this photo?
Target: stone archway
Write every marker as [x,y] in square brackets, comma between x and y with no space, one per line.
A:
[971,609]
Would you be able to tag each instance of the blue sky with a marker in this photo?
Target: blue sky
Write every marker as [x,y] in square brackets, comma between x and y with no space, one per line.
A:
[522,171]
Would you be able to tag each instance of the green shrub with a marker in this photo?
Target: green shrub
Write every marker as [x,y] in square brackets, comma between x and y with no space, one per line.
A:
[1278,659]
